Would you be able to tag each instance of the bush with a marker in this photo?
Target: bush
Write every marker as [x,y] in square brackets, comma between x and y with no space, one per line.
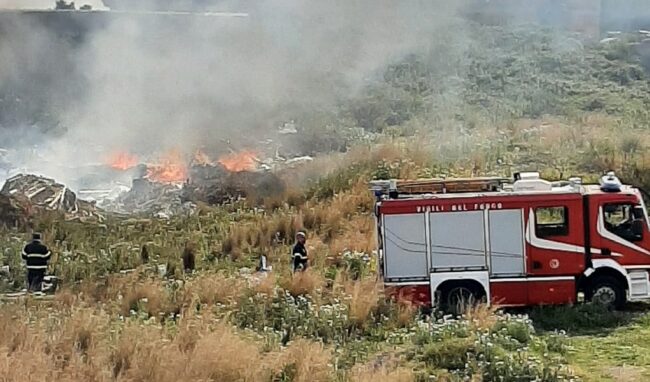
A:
[285,317]
[506,351]
[582,318]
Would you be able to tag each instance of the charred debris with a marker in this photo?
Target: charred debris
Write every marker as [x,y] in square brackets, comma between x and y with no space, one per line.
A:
[24,195]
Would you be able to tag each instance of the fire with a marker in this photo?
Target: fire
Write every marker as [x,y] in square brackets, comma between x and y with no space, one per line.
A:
[171,168]
[242,161]
[122,160]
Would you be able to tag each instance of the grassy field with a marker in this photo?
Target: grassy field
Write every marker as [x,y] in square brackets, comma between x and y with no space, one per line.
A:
[123,315]
[603,345]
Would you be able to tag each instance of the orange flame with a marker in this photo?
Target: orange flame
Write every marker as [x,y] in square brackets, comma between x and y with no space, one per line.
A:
[237,162]
[122,160]
[170,169]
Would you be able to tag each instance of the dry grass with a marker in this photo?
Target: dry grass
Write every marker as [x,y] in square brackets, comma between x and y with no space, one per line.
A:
[151,294]
[357,199]
[266,285]
[359,236]
[223,356]
[13,330]
[84,346]
[406,312]
[216,288]
[307,361]
[63,348]
[308,282]
[482,317]
[262,233]
[627,373]
[66,298]
[362,297]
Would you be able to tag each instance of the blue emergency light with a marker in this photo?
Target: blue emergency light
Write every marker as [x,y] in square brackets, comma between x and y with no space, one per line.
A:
[610,183]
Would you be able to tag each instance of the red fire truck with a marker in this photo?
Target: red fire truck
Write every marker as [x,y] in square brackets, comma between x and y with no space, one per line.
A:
[519,242]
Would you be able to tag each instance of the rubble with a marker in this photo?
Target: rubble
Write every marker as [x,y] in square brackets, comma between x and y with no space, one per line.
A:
[213,184]
[608,40]
[207,183]
[26,194]
[12,213]
[288,128]
[161,200]
[135,191]
[293,162]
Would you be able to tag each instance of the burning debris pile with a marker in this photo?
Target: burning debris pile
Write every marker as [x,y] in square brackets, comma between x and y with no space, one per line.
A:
[25,195]
[215,184]
[166,186]
[236,175]
[152,198]
[155,187]
[171,187]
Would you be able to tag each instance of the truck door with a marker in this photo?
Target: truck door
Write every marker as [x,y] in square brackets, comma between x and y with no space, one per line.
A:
[616,235]
[555,238]
[507,257]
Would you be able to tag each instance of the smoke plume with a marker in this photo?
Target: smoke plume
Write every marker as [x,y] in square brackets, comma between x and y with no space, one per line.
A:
[147,82]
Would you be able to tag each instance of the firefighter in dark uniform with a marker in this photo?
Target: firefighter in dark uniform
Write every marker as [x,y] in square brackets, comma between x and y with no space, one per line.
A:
[36,256]
[299,253]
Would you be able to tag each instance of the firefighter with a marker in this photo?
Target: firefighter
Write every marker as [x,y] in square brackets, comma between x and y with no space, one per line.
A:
[36,256]
[299,253]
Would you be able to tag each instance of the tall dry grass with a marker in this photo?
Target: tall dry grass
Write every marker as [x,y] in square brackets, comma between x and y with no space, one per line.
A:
[265,285]
[406,313]
[262,233]
[151,295]
[481,317]
[88,346]
[308,282]
[216,288]
[361,296]
[305,361]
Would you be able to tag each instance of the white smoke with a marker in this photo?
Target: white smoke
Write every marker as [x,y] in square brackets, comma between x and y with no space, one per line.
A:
[148,82]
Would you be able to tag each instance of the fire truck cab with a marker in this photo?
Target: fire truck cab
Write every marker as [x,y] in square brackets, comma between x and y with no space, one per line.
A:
[516,242]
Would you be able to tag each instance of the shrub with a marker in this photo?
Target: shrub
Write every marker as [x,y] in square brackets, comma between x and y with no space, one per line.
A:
[577,319]
[286,317]
[502,351]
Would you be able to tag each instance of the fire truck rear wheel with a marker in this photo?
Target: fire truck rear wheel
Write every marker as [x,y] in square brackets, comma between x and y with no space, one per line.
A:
[456,299]
[606,291]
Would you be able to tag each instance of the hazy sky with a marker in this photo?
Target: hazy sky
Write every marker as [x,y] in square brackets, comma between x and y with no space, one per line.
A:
[45,4]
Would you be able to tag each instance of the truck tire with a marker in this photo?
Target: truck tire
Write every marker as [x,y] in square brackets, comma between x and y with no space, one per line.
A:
[457,298]
[606,291]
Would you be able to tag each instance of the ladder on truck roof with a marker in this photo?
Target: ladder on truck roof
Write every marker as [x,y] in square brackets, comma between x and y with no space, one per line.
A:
[439,185]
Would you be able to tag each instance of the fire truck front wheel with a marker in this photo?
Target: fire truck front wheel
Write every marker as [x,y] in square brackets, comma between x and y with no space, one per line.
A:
[606,291]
